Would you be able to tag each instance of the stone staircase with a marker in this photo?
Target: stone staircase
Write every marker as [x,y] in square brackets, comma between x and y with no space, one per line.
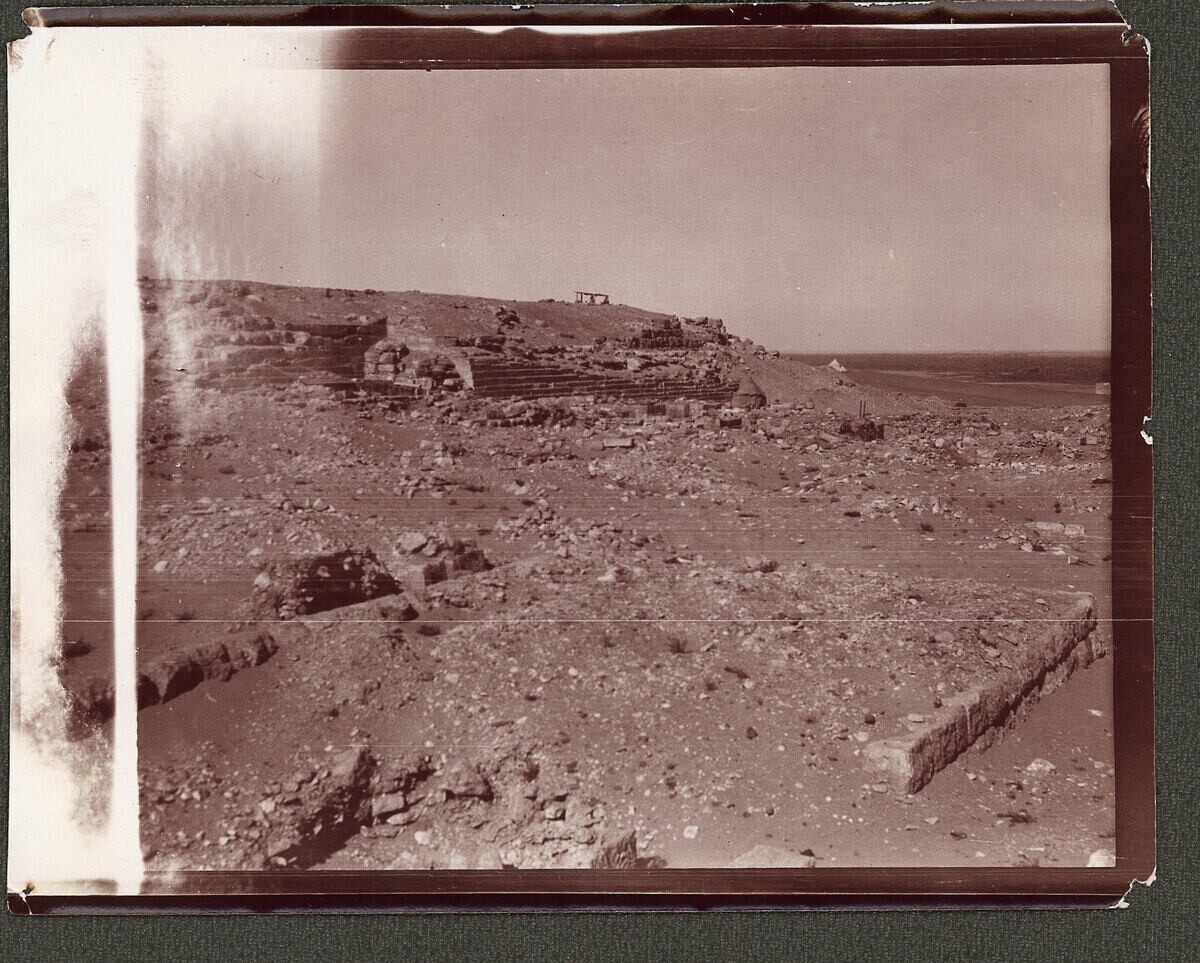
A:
[499,377]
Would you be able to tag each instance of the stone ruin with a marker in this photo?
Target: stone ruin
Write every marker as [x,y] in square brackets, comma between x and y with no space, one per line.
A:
[711,329]
[302,586]
[666,333]
[409,357]
[679,334]
[500,364]
[749,395]
[231,328]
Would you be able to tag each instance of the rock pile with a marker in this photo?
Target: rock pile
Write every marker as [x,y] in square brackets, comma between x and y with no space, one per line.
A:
[318,583]
[506,317]
[668,333]
[423,559]
[329,808]
[384,359]
[529,414]
[523,811]
[862,428]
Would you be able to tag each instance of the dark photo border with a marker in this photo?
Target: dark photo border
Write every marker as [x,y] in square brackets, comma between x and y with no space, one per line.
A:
[831,35]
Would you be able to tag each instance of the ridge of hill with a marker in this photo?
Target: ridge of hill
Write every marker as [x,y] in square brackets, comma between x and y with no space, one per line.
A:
[241,324]
[451,315]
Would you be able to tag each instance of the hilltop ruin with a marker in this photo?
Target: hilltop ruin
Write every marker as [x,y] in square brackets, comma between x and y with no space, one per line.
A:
[669,358]
[406,346]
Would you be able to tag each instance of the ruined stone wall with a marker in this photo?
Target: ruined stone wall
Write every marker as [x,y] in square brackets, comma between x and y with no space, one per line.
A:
[675,333]
[410,355]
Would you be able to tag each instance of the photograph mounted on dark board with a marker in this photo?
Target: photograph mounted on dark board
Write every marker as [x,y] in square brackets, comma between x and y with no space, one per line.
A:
[705,458]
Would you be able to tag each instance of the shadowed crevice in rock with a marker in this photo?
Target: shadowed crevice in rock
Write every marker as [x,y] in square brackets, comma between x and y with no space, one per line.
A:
[322,815]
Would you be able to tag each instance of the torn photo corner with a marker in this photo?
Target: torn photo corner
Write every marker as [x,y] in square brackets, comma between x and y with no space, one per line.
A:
[699,449]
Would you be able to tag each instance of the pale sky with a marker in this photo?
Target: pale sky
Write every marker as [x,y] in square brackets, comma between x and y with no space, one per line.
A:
[813,208]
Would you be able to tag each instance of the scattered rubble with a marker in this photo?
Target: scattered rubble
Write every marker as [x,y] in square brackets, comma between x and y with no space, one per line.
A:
[553,614]
[862,428]
[315,584]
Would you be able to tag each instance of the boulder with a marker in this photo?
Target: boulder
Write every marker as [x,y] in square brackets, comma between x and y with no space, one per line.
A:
[466,558]
[416,574]
[253,652]
[763,565]
[330,811]
[410,542]
[617,851]
[466,782]
[388,804]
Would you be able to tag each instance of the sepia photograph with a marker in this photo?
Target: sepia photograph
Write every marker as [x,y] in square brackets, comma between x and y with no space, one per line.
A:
[567,465]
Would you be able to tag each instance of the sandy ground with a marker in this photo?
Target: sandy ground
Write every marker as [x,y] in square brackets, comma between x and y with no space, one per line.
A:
[627,721]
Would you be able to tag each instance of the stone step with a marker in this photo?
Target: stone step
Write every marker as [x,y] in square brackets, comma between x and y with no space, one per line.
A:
[500,378]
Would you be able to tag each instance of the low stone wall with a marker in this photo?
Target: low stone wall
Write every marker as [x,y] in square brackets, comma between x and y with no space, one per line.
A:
[505,378]
[977,717]
[412,357]
[172,675]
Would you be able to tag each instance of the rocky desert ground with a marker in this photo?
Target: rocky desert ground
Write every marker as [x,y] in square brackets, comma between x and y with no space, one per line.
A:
[641,594]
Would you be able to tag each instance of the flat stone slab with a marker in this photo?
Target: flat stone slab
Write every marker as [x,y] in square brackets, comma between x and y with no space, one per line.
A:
[908,761]
[765,856]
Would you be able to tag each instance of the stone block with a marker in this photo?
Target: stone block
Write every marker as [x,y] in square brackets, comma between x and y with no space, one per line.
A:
[617,851]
